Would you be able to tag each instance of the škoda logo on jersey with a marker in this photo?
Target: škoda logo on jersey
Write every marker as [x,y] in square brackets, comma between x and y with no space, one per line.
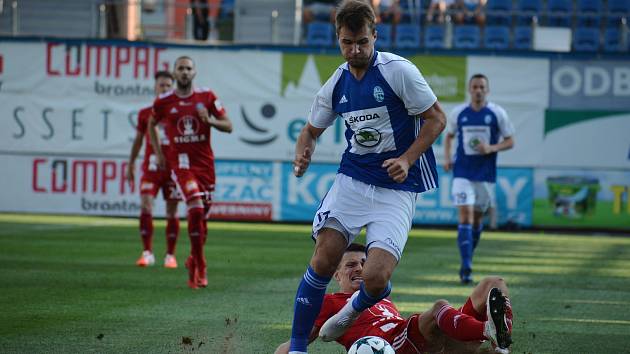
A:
[188,128]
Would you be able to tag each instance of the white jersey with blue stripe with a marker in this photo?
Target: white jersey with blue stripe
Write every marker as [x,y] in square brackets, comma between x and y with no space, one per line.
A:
[472,127]
[382,118]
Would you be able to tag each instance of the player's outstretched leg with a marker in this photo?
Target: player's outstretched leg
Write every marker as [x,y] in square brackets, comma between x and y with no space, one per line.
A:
[337,325]
[308,302]
[497,329]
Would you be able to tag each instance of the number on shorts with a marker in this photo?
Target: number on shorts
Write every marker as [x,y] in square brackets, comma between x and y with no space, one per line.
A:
[184,162]
[323,215]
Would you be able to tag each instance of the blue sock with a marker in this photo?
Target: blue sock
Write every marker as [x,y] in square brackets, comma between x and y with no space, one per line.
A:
[465,244]
[365,301]
[308,303]
[476,235]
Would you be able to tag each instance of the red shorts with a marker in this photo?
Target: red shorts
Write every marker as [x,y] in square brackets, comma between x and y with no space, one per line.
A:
[407,338]
[152,181]
[194,185]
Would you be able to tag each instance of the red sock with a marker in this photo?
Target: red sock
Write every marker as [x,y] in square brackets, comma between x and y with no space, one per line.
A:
[172,232]
[458,325]
[204,231]
[195,231]
[146,230]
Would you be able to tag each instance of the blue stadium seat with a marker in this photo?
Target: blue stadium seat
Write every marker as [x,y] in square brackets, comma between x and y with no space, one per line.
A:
[589,13]
[497,37]
[559,13]
[383,36]
[586,39]
[466,37]
[319,33]
[612,39]
[523,37]
[616,10]
[527,10]
[499,12]
[407,36]
[434,37]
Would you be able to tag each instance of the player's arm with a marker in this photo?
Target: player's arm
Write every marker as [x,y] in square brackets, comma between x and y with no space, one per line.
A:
[505,144]
[507,132]
[434,123]
[135,149]
[448,145]
[155,143]
[304,148]
[284,347]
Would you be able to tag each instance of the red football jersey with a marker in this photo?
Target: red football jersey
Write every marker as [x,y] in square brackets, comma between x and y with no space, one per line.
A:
[150,163]
[188,135]
[379,320]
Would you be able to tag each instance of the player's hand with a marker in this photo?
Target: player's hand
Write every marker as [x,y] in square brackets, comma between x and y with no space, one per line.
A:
[397,169]
[161,161]
[301,162]
[484,148]
[202,111]
[130,174]
[448,164]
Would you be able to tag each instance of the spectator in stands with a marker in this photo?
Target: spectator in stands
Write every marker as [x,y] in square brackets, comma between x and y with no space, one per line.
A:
[387,11]
[319,10]
[437,10]
[469,11]
[204,14]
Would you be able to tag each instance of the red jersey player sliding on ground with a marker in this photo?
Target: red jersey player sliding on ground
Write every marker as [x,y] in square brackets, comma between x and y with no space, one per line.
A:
[152,181]
[188,114]
[487,315]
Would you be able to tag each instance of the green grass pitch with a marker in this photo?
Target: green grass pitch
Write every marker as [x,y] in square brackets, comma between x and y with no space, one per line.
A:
[69,285]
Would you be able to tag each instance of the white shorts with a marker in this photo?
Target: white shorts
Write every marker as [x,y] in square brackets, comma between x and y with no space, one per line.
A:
[481,195]
[386,213]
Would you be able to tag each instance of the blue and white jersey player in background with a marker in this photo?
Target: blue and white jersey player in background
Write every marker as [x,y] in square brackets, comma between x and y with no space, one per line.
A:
[482,129]
[392,118]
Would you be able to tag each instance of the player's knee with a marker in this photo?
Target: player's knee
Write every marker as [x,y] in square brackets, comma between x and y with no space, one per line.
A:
[375,282]
[493,282]
[322,265]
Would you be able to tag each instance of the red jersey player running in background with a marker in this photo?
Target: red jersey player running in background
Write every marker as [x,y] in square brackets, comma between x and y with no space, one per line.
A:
[487,314]
[188,114]
[152,181]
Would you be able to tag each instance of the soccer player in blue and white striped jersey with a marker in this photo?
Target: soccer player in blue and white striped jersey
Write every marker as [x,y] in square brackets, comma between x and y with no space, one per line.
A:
[482,129]
[392,117]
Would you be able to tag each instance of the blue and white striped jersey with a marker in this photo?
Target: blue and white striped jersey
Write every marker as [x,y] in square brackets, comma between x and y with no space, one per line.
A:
[471,128]
[382,118]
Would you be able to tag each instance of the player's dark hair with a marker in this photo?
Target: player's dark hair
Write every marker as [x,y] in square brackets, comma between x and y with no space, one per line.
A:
[182,58]
[354,15]
[478,76]
[164,74]
[356,247]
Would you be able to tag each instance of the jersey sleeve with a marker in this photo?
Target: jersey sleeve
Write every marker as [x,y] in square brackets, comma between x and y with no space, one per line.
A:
[322,114]
[409,84]
[327,311]
[451,121]
[214,105]
[505,124]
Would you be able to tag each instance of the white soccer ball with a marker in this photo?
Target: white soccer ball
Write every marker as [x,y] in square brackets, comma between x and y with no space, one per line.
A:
[371,345]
